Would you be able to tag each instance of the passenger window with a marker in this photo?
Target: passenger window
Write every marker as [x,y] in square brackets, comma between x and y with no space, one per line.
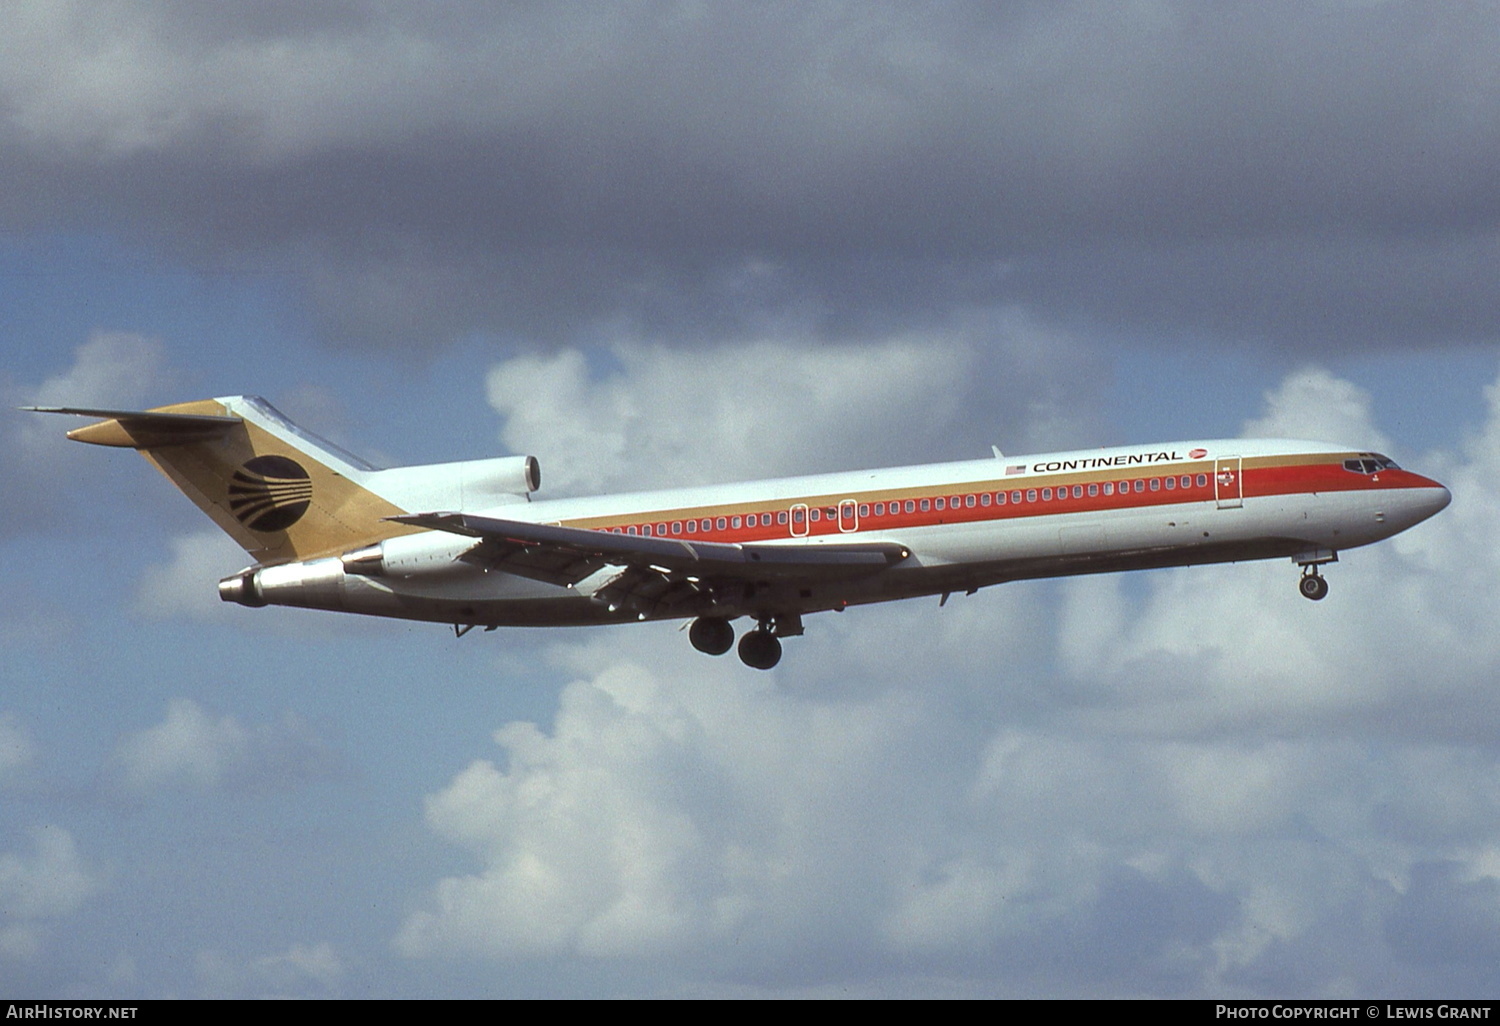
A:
[1093,490]
[1031,495]
[692,527]
[1140,486]
[969,501]
[734,522]
[1078,491]
[816,514]
[880,509]
[661,530]
[911,507]
[1046,494]
[1171,483]
[1109,488]
[781,518]
[1187,481]
[940,502]
[864,510]
[1015,496]
[1155,484]
[926,505]
[984,498]
[722,523]
[677,527]
[1202,480]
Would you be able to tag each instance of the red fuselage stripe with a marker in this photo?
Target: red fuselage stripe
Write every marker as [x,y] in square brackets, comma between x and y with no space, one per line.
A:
[1278,478]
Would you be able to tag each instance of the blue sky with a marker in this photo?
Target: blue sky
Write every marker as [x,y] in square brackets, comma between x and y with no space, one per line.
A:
[674,244]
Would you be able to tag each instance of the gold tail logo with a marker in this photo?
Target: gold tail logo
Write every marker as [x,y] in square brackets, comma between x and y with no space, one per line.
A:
[270,493]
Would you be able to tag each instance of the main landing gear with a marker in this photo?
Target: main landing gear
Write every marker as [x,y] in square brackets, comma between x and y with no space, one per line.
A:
[711,635]
[760,649]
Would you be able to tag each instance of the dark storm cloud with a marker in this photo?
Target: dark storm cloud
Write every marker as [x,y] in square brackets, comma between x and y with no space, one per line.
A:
[1270,171]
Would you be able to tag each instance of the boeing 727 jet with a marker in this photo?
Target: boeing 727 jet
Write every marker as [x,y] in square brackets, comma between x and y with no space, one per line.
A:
[469,544]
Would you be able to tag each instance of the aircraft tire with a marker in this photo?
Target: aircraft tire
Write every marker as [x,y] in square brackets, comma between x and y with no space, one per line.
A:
[711,635]
[760,650]
[1313,587]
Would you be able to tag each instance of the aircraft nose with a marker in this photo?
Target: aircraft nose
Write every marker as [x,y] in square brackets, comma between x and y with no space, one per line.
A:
[1439,499]
[1429,500]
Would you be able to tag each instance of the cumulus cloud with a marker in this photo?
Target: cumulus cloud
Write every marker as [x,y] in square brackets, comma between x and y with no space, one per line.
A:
[302,971]
[185,586]
[1191,782]
[1315,405]
[110,370]
[648,416]
[192,751]
[52,882]
[647,822]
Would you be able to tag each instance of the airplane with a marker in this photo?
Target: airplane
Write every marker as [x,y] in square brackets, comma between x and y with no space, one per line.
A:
[469,544]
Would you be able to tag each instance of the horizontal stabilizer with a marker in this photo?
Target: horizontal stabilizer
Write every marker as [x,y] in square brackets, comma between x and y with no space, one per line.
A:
[143,429]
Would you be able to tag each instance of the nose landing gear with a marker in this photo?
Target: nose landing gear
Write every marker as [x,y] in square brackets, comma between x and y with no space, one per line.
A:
[1313,586]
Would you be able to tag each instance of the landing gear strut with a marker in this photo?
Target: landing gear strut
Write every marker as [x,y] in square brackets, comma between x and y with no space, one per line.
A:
[1312,585]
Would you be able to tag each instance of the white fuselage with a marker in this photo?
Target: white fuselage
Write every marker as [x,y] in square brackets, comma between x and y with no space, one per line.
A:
[966,525]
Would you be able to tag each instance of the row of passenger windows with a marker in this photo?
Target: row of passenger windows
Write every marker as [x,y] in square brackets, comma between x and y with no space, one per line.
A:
[800,515]
[1049,494]
[706,524]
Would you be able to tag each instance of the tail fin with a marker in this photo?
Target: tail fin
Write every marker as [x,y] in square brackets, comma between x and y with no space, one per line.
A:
[281,493]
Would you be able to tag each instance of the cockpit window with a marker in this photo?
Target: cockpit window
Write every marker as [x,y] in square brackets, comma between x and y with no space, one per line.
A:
[1370,463]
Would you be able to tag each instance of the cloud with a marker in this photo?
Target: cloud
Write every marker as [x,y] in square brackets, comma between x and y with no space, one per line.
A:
[651,416]
[185,587]
[52,882]
[1315,405]
[191,751]
[302,971]
[111,370]
[697,173]
[1411,609]
[646,823]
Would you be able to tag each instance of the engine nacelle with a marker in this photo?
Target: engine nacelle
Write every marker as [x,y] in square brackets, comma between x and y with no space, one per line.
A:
[502,475]
[409,555]
[469,484]
[316,585]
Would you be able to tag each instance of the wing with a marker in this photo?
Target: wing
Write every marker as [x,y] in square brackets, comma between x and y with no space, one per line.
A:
[649,575]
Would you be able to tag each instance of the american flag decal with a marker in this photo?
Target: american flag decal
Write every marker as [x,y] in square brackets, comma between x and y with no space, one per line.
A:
[1018,468]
